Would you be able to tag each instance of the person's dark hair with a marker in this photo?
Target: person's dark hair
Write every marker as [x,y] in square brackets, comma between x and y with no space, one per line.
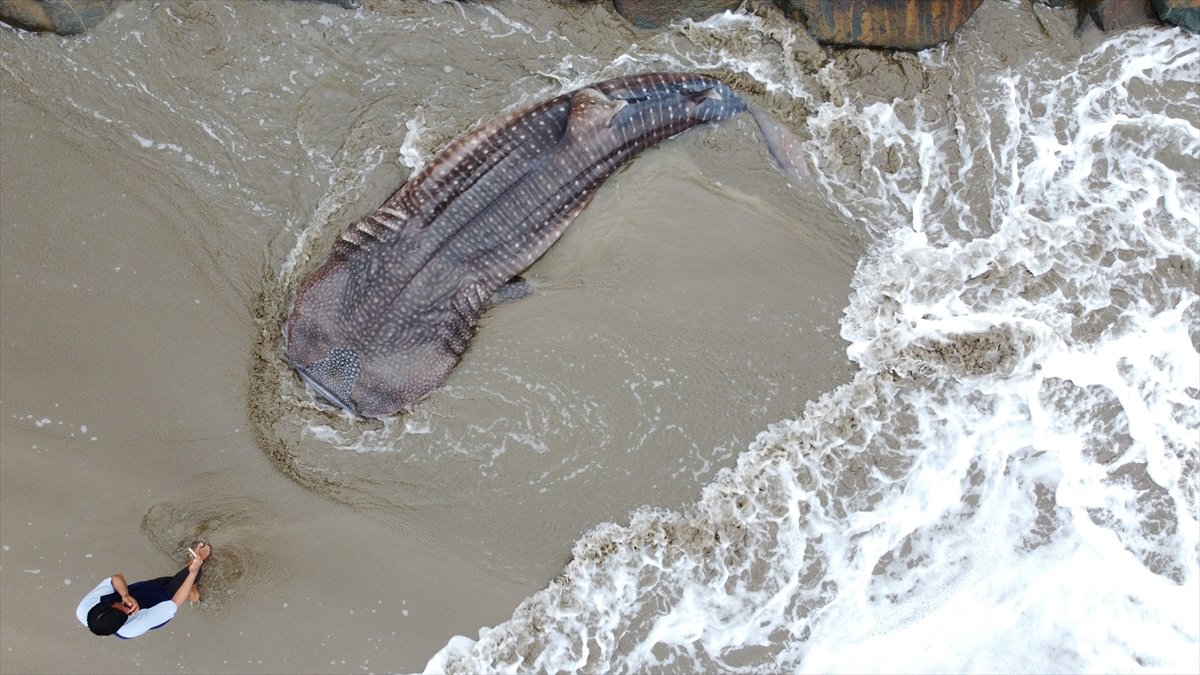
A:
[105,619]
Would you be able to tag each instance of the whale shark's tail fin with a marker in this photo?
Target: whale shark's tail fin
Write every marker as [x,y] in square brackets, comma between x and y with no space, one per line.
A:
[783,143]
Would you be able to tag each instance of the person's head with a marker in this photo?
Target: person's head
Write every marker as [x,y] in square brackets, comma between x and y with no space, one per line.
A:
[107,618]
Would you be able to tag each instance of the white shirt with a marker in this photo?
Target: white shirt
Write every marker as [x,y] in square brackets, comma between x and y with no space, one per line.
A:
[146,618]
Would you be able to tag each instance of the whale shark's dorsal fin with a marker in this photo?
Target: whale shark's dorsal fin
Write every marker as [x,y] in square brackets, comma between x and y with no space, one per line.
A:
[591,110]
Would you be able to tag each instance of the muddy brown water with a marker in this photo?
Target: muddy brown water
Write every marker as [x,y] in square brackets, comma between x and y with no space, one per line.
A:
[165,182]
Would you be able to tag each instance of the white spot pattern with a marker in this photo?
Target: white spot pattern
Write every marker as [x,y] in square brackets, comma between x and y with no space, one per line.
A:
[403,288]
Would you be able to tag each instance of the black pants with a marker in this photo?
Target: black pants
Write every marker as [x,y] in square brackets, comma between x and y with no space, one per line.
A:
[172,584]
[169,585]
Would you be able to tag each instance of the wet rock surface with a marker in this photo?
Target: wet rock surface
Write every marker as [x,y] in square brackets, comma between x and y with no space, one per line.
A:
[73,17]
[1182,13]
[657,13]
[1110,15]
[894,24]
[65,17]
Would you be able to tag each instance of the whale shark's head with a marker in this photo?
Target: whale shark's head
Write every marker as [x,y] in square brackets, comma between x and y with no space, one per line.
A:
[346,359]
[317,345]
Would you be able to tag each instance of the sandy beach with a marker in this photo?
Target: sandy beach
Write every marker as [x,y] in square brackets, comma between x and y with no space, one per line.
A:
[124,432]
[932,408]
[132,278]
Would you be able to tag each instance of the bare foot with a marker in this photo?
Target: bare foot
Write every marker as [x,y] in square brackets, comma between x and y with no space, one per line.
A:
[194,594]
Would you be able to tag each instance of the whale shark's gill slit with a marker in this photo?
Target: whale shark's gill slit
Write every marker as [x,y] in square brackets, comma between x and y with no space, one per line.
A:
[370,227]
[447,239]
[455,344]
[384,220]
[467,316]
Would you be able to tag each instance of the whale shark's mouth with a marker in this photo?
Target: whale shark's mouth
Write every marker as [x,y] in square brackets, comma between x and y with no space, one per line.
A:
[320,390]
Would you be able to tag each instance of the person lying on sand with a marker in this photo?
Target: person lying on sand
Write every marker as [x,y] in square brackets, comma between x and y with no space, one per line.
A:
[129,610]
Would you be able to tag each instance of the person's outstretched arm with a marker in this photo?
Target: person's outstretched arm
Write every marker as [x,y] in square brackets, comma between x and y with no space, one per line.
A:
[185,588]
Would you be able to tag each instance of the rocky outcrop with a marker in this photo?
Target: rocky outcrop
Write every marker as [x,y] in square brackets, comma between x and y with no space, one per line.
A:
[72,17]
[893,24]
[65,17]
[658,13]
[1182,13]
[1110,15]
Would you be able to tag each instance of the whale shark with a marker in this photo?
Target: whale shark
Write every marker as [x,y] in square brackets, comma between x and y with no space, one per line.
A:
[390,311]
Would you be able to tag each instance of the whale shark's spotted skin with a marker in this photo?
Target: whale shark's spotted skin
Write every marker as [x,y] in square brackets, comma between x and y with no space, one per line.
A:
[390,311]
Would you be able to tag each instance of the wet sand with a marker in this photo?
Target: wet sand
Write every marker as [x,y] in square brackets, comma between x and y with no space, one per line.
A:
[123,401]
[133,313]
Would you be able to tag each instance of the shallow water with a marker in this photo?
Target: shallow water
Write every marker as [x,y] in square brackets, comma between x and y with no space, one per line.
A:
[1010,479]
[155,222]
[644,361]
[1003,472]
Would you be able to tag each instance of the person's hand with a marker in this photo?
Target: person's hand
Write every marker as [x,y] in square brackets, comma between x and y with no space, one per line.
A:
[199,555]
[131,603]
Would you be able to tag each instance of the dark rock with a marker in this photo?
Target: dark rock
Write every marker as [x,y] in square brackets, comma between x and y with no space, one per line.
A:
[893,24]
[72,17]
[1182,13]
[658,13]
[1112,15]
[65,17]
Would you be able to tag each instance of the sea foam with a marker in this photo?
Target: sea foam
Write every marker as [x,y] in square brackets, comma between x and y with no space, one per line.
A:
[1009,483]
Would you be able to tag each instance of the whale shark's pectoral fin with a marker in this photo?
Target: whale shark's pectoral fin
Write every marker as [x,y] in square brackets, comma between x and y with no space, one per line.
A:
[516,289]
[591,111]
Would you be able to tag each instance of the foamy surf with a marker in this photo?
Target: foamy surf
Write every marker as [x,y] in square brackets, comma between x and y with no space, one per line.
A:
[1010,481]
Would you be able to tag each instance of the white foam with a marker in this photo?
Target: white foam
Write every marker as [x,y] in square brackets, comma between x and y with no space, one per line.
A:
[411,153]
[1010,481]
